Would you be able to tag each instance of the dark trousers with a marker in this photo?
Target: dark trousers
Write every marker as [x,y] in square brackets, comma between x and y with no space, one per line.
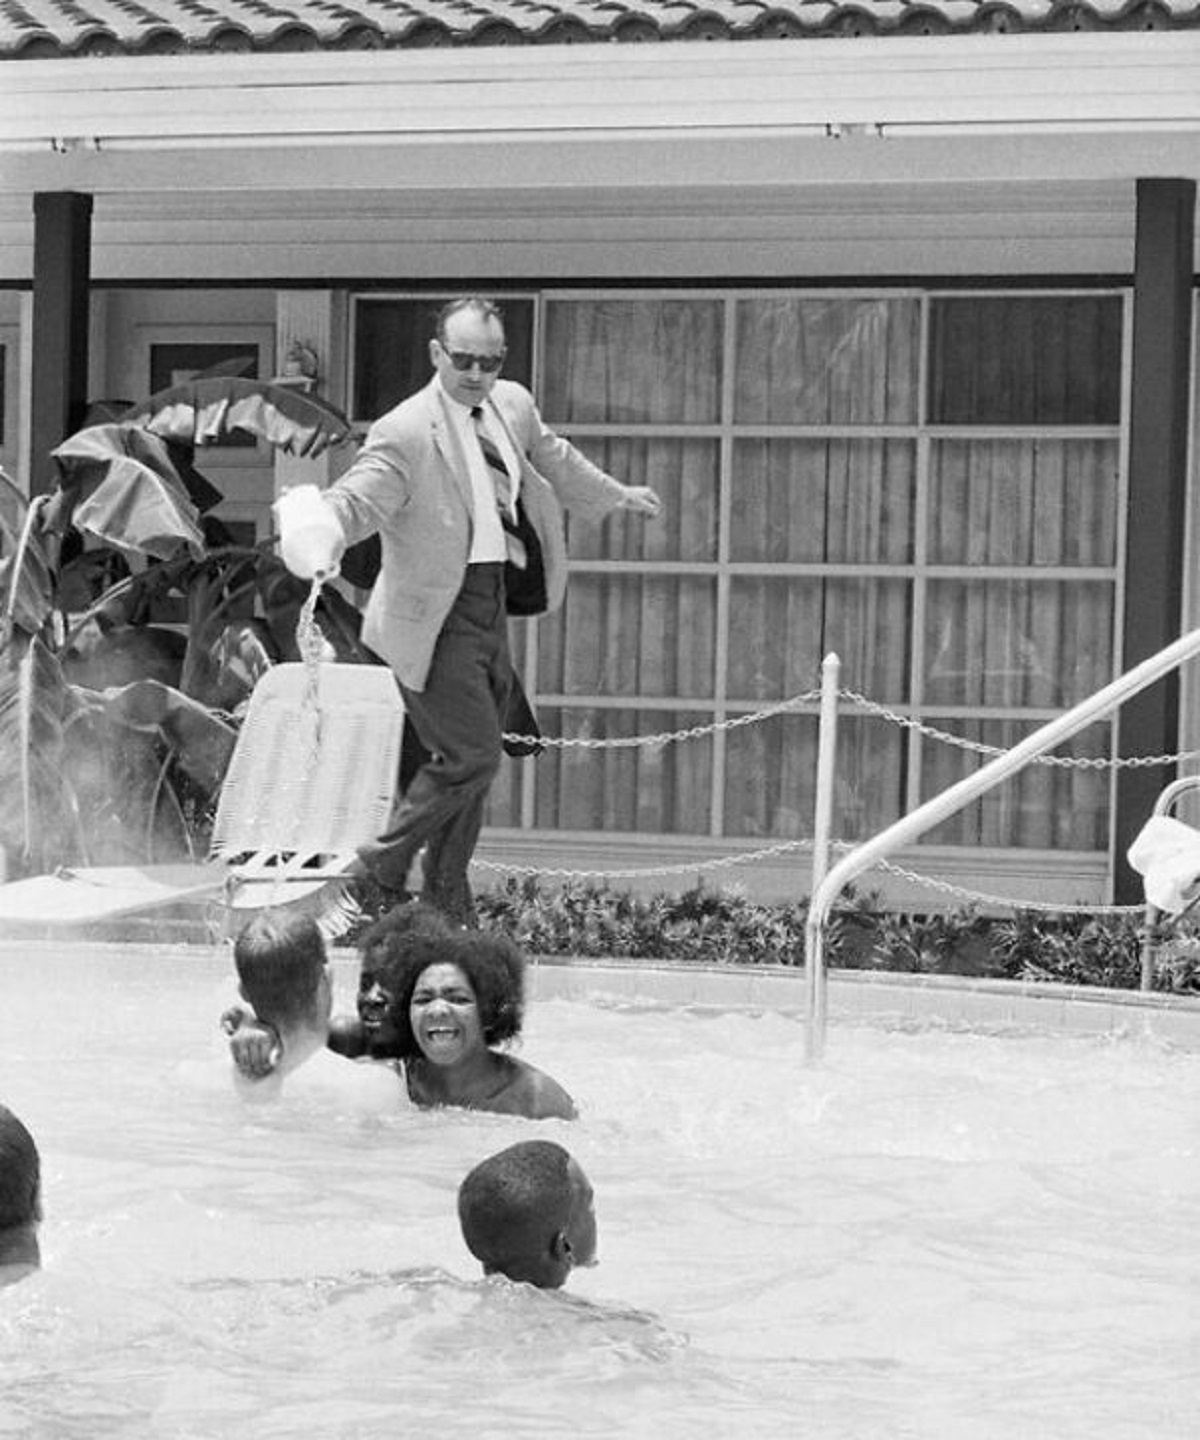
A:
[459,719]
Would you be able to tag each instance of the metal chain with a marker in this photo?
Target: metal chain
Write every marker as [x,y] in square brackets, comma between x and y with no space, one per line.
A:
[982,897]
[944,887]
[1082,762]
[667,737]
[638,873]
[872,707]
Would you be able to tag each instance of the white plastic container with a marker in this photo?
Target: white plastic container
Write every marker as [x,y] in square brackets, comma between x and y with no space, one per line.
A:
[310,539]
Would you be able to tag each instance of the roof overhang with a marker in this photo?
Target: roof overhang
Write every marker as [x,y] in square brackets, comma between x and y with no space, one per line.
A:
[1072,105]
[1012,154]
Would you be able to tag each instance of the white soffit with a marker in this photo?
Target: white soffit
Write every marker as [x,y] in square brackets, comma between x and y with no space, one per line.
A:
[984,84]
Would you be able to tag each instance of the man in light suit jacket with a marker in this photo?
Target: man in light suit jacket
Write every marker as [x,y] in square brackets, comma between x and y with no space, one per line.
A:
[440,479]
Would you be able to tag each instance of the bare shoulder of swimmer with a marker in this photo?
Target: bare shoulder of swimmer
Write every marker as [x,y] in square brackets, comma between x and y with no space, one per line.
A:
[536,1095]
[348,1036]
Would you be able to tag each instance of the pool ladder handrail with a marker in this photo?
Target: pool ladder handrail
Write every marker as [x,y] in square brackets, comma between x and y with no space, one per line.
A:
[948,802]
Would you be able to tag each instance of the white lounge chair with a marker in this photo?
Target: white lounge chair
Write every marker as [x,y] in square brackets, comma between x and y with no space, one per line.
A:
[313,774]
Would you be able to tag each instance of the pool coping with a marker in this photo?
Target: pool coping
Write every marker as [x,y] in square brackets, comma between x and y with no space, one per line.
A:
[853,996]
[871,997]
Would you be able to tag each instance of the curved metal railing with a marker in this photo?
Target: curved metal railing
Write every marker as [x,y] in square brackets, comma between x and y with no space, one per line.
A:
[912,826]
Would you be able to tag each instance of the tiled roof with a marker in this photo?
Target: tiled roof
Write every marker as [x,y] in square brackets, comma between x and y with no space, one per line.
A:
[50,29]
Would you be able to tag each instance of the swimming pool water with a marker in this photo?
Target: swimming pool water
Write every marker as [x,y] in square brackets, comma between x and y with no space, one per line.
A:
[933,1234]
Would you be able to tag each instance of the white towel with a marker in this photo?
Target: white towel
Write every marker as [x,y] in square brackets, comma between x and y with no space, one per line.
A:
[1166,853]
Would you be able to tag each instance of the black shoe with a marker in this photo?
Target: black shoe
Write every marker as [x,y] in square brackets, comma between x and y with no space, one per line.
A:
[374,897]
[459,912]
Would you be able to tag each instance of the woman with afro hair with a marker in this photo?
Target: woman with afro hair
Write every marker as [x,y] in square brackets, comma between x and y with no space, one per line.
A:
[453,1001]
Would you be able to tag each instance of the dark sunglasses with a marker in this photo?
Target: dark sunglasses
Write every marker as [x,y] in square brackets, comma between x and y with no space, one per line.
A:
[464,360]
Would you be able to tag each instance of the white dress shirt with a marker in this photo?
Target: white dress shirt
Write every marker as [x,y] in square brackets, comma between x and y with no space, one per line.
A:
[487,534]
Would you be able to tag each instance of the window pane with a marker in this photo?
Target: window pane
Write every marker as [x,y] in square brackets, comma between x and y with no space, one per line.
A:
[1025,360]
[391,348]
[644,788]
[686,475]
[797,501]
[781,629]
[1023,502]
[808,361]
[1017,642]
[638,361]
[771,774]
[631,635]
[1041,807]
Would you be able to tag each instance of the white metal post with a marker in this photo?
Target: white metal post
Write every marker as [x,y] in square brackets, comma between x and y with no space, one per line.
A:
[831,669]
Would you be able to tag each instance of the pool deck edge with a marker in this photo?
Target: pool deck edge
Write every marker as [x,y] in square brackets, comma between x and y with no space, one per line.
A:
[854,996]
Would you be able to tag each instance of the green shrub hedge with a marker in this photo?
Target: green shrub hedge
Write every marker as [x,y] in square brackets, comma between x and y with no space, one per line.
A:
[725,927]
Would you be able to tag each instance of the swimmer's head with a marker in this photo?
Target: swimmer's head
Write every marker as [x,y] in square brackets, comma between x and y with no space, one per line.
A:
[527,1212]
[20,1173]
[404,943]
[20,1198]
[494,967]
[405,939]
[282,969]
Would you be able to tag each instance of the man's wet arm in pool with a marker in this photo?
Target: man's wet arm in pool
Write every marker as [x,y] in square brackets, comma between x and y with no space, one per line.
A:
[254,1045]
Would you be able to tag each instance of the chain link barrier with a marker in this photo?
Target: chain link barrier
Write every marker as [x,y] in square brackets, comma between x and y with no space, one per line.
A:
[688,867]
[861,702]
[791,706]
[664,737]
[1076,762]
[981,897]
[790,847]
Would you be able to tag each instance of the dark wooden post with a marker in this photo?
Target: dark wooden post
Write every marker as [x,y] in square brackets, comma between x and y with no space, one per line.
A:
[1162,330]
[62,243]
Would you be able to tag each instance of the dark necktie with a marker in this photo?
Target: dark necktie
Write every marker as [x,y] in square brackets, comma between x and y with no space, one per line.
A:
[502,480]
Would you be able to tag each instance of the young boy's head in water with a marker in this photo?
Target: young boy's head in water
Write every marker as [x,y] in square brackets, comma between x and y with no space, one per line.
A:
[20,1199]
[527,1212]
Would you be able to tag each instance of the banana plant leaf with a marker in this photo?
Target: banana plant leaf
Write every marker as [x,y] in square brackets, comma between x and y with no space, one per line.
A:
[39,821]
[103,657]
[124,759]
[90,574]
[203,494]
[118,483]
[93,776]
[210,407]
[26,586]
[237,657]
[201,740]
